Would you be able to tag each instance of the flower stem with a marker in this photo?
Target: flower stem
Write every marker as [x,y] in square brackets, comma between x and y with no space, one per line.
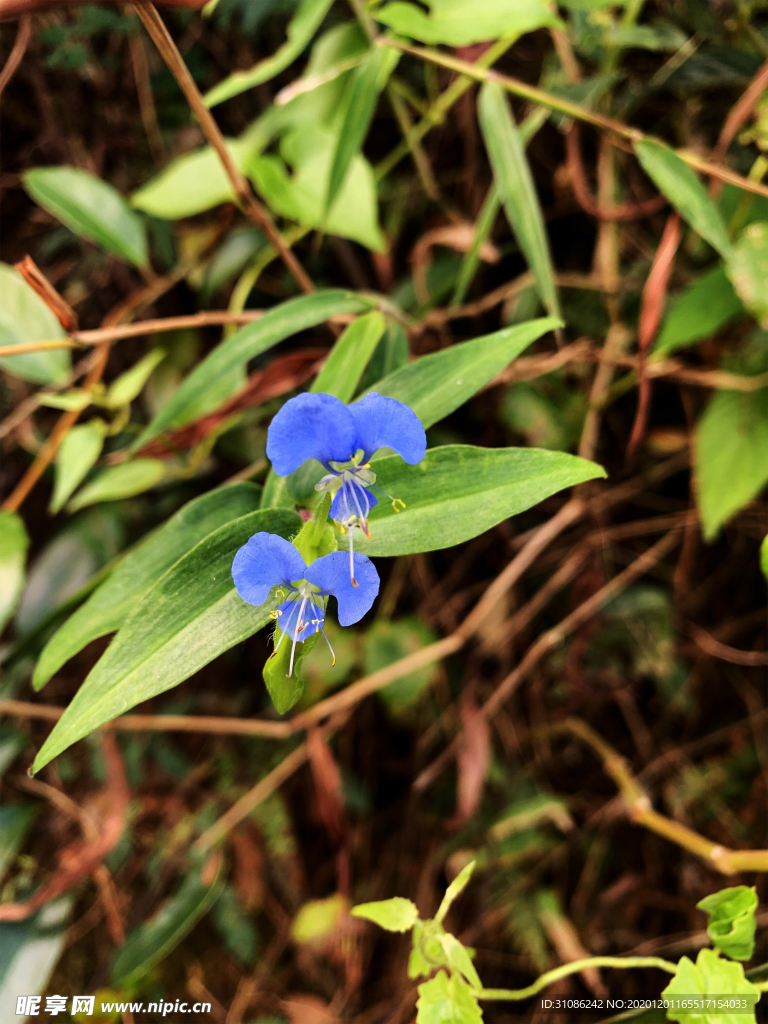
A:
[573,968]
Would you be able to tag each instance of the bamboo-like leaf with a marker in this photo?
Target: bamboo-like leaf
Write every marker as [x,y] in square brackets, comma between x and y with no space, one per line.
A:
[154,939]
[506,150]
[14,542]
[437,384]
[303,26]
[190,616]
[458,492]
[349,357]
[108,607]
[78,453]
[364,88]
[91,208]
[680,185]
[24,317]
[123,481]
[279,323]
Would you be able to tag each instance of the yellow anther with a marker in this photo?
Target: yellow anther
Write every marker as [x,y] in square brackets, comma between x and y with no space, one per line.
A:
[396,502]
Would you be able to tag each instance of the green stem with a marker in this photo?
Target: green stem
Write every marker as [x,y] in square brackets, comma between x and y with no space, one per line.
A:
[441,105]
[543,98]
[321,516]
[573,968]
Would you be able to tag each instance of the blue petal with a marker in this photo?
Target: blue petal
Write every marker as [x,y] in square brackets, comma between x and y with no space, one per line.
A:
[386,423]
[342,509]
[264,562]
[331,574]
[310,427]
[288,617]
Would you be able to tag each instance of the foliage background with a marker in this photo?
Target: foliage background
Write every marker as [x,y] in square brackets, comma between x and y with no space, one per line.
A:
[670,672]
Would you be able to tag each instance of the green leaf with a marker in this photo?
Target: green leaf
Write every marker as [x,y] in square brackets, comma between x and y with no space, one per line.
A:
[302,27]
[12,742]
[349,357]
[15,823]
[108,607]
[301,197]
[192,183]
[748,270]
[190,616]
[459,23]
[418,965]
[506,151]
[29,951]
[386,642]
[764,557]
[732,922]
[709,304]
[447,1000]
[285,684]
[279,323]
[457,886]
[128,385]
[123,481]
[66,565]
[437,384]
[153,940]
[365,85]
[319,919]
[91,208]
[459,959]
[459,492]
[75,400]
[710,976]
[235,926]
[730,455]
[24,317]
[78,453]
[396,915]
[681,186]
[14,542]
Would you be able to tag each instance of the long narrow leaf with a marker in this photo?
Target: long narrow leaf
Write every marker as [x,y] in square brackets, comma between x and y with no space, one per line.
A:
[437,384]
[459,492]
[279,323]
[364,88]
[191,615]
[303,26]
[108,607]
[506,150]
[684,191]
[349,357]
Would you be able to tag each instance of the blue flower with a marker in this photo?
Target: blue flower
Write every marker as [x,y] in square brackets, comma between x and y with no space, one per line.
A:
[343,438]
[267,561]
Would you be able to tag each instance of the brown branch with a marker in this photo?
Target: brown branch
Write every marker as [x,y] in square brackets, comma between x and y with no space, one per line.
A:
[551,640]
[713,647]
[51,446]
[16,55]
[651,309]
[161,723]
[640,811]
[163,40]
[83,859]
[40,284]
[739,114]
[622,211]
[543,98]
